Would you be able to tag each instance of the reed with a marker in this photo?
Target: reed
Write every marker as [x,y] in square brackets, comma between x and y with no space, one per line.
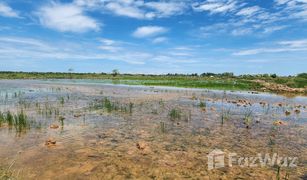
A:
[2,118]
[175,114]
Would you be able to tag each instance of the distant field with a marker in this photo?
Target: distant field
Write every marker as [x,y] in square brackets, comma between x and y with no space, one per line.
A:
[226,81]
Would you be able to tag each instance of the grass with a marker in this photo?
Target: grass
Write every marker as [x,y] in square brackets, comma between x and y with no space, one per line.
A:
[2,118]
[62,101]
[202,105]
[5,174]
[19,120]
[162,127]
[175,114]
[248,118]
[109,106]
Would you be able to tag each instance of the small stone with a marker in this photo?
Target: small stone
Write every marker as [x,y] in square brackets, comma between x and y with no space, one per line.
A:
[54,126]
[297,111]
[50,142]
[77,115]
[141,145]
[287,113]
[279,123]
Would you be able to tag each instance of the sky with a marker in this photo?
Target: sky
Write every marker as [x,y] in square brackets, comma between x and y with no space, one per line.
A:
[154,36]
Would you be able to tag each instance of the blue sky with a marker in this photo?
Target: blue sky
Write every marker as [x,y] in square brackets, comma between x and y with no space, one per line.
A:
[154,36]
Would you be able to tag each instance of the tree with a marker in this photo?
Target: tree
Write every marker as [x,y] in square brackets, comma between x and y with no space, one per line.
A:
[273,76]
[115,72]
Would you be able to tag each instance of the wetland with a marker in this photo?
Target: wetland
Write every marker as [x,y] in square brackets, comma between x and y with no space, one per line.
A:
[74,129]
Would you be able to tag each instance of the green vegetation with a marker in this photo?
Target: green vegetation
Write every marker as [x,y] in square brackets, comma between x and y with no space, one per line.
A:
[223,81]
[175,114]
[5,174]
[202,105]
[19,120]
[109,106]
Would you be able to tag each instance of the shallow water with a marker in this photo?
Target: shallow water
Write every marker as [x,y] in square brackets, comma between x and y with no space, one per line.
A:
[139,139]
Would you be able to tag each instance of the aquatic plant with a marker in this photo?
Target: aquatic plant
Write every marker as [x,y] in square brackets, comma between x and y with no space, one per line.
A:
[223,115]
[7,173]
[130,107]
[248,118]
[162,127]
[175,114]
[202,104]
[9,119]
[2,118]
[108,105]
[161,102]
[278,173]
[188,116]
[20,121]
[62,101]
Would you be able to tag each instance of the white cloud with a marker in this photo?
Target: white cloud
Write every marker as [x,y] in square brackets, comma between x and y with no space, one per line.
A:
[141,9]
[272,29]
[159,40]
[241,31]
[166,9]
[215,6]
[66,18]
[110,48]
[126,9]
[249,11]
[110,45]
[149,31]
[88,3]
[295,43]
[27,42]
[282,46]
[7,11]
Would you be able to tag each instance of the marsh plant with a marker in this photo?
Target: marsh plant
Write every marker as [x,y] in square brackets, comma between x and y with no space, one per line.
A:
[62,101]
[6,173]
[162,127]
[19,120]
[248,118]
[131,105]
[109,106]
[223,115]
[175,114]
[2,118]
[203,105]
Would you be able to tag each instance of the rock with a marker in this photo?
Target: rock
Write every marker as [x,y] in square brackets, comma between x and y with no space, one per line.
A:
[297,111]
[287,113]
[54,126]
[141,145]
[50,142]
[77,115]
[279,123]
